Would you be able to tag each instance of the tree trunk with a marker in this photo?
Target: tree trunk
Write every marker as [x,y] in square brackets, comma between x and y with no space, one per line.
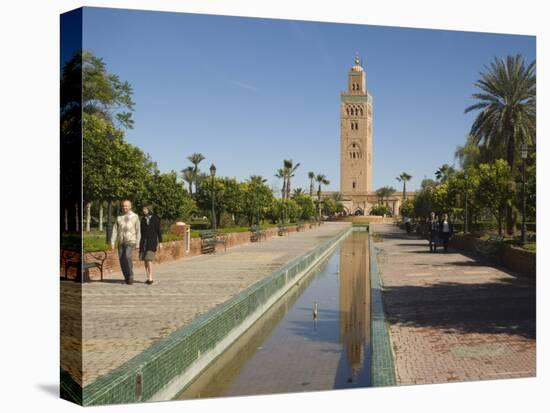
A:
[101,216]
[510,224]
[288,188]
[88,216]
[77,218]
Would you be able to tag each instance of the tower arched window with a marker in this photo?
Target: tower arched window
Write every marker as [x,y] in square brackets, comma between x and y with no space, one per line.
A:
[353,184]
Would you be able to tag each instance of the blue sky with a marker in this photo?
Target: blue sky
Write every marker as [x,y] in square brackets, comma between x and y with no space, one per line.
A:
[248,93]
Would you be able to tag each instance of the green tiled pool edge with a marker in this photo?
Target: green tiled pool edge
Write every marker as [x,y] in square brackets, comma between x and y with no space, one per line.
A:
[147,374]
[382,370]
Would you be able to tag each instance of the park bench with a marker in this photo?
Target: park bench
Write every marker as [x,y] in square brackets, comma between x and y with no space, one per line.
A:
[300,226]
[281,229]
[209,239]
[490,246]
[72,260]
[256,234]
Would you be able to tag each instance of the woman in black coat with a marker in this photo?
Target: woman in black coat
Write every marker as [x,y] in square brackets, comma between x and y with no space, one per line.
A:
[151,237]
[445,230]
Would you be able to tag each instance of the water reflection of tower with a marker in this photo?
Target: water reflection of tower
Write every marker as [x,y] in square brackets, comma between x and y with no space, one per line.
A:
[354,299]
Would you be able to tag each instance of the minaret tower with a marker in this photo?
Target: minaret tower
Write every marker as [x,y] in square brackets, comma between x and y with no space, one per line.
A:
[356,138]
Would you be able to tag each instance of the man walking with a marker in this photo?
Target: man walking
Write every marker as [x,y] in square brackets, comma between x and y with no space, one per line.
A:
[126,234]
[433,231]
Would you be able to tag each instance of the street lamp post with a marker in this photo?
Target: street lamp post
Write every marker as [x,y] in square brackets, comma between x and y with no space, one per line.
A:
[524,150]
[465,202]
[213,174]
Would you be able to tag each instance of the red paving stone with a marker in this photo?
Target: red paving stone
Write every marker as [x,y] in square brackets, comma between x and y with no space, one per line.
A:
[452,317]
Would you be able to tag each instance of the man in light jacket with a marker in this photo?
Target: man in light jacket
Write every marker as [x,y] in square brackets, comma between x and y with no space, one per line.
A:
[126,234]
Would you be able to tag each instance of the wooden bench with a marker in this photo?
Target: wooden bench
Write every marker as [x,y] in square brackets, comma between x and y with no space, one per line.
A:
[300,226]
[281,229]
[209,239]
[256,234]
[72,260]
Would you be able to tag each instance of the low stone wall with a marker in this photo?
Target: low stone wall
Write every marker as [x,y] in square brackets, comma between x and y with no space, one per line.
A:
[169,251]
[513,258]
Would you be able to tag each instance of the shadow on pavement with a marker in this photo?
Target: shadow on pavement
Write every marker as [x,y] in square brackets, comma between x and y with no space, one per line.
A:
[488,308]
[506,306]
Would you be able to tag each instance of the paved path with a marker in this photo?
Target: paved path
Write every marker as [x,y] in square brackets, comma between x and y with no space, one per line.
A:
[452,318]
[120,321]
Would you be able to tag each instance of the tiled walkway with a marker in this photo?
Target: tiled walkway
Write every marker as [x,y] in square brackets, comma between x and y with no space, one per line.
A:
[451,317]
[120,321]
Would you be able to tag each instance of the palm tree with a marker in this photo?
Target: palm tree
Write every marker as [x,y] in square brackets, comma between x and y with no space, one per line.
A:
[507,101]
[337,196]
[404,177]
[196,158]
[297,192]
[311,176]
[289,168]
[188,175]
[507,104]
[321,180]
[281,174]
[384,193]
[444,172]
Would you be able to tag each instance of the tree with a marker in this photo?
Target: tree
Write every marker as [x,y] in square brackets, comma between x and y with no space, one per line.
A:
[306,204]
[427,183]
[281,174]
[496,189]
[404,177]
[89,93]
[196,159]
[321,180]
[289,169]
[257,198]
[507,110]
[384,193]
[168,197]
[112,169]
[297,192]
[407,208]
[188,175]
[444,172]
[380,210]
[311,176]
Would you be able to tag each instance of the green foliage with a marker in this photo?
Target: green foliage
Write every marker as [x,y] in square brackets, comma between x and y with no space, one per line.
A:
[444,172]
[256,199]
[112,168]
[168,197]
[306,204]
[496,188]
[507,107]
[384,193]
[104,94]
[407,208]
[380,210]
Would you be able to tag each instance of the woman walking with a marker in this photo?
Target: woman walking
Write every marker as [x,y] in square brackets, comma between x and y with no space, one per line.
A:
[445,231]
[151,237]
